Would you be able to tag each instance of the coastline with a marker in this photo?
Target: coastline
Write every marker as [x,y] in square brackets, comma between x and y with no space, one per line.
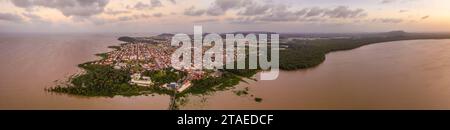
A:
[387,42]
[309,55]
[79,85]
[201,87]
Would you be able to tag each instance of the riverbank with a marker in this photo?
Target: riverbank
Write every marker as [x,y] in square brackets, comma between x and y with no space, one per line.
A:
[103,80]
[303,54]
[413,74]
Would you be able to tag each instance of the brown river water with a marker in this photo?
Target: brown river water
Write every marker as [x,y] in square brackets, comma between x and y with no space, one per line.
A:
[393,75]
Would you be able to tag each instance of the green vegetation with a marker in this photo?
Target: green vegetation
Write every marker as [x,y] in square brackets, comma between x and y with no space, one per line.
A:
[105,81]
[212,84]
[241,92]
[165,76]
[105,55]
[102,55]
[258,99]
[127,39]
[247,73]
[100,80]
[114,47]
[305,54]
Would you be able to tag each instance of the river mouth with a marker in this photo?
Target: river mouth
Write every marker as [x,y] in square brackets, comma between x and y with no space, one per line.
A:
[411,74]
[394,75]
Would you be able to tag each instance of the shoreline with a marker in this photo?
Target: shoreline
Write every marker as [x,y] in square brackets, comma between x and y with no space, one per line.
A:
[306,69]
[200,87]
[302,55]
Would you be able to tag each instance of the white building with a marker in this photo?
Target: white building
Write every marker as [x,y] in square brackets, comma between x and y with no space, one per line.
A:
[137,79]
[184,86]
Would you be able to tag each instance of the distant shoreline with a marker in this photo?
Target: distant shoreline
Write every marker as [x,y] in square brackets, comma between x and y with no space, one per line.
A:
[105,81]
[307,54]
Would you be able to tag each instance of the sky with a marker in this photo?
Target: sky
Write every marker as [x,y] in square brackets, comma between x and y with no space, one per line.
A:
[172,16]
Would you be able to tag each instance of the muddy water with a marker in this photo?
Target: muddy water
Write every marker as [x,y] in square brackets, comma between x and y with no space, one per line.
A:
[30,63]
[395,75]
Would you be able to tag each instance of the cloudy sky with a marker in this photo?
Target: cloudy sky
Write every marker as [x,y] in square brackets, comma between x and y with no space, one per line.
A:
[158,16]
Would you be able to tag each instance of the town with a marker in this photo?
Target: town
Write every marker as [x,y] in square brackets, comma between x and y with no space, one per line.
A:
[151,54]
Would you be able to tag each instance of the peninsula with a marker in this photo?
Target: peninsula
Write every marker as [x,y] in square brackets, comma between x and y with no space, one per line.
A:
[140,66]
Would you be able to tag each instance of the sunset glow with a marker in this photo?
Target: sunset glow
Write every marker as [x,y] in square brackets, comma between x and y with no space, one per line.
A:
[224,15]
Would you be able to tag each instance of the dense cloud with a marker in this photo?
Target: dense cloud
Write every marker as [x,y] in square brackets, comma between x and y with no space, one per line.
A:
[193,12]
[388,20]
[156,3]
[314,12]
[249,11]
[242,20]
[10,17]
[282,13]
[152,4]
[344,12]
[68,8]
[116,12]
[278,13]
[255,10]
[141,5]
[220,7]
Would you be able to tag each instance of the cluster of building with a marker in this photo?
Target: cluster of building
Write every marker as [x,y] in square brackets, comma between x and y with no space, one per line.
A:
[147,56]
